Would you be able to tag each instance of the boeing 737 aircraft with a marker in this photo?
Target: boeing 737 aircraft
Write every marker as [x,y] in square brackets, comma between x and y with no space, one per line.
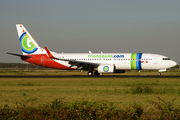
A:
[92,62]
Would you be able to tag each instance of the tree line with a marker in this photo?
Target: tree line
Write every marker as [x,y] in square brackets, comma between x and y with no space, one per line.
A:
[20,66]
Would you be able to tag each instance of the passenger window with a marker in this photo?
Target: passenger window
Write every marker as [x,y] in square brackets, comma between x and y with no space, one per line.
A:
[166,58]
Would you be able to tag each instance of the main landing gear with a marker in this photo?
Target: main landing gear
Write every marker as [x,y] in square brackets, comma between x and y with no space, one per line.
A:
[96,73]
[90,73]
[159,74]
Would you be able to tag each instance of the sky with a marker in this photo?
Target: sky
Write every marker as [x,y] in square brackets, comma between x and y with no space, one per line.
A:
[111,26]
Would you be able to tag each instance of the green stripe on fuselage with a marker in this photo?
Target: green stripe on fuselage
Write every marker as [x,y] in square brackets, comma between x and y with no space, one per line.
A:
[133,61]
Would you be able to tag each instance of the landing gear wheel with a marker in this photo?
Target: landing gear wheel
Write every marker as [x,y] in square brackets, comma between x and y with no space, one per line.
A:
[90,73]
[159,74]
[96,73]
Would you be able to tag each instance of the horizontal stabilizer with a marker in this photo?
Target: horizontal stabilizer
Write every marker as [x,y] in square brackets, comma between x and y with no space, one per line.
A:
[19,55]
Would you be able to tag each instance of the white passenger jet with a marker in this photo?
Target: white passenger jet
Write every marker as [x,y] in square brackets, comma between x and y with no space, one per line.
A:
[92,62]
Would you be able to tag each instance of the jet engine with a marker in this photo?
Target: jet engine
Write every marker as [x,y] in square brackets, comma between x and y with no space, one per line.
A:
[106,68]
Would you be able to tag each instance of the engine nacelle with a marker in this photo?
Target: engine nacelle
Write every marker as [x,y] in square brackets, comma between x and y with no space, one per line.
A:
[106,68]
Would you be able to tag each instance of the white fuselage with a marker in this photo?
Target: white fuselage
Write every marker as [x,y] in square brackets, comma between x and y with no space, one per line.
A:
[122,61]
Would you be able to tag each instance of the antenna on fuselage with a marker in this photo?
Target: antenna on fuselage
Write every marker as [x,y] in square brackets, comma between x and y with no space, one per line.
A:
[90,52]
[101,52]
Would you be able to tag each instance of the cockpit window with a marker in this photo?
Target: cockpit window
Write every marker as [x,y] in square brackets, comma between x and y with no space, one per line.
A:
[166,58]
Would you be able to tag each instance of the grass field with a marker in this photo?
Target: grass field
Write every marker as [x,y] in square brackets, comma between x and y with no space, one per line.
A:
[121,91]
[63,72]
[37,91]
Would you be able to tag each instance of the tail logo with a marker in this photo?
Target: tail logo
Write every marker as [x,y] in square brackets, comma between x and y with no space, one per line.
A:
[27,44]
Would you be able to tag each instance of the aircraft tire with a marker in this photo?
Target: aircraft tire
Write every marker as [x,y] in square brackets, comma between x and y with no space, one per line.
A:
[159,74]
[90,73]
[96,73]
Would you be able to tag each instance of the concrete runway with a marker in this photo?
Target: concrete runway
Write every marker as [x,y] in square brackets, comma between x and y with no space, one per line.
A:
[85,76]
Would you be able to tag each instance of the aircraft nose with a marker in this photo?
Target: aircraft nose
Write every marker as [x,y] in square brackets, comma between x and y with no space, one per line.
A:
[173,63]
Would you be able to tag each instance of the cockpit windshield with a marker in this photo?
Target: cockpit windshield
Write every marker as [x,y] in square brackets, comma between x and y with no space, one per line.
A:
[166,58]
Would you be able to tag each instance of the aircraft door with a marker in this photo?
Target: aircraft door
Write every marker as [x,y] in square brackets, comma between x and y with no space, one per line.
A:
[155,59]
[42,59]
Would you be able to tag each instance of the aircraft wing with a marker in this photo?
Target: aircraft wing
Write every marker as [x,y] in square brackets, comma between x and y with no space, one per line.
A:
[80,64]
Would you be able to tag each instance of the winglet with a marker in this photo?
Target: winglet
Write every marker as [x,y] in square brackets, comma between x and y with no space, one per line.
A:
[49,53]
